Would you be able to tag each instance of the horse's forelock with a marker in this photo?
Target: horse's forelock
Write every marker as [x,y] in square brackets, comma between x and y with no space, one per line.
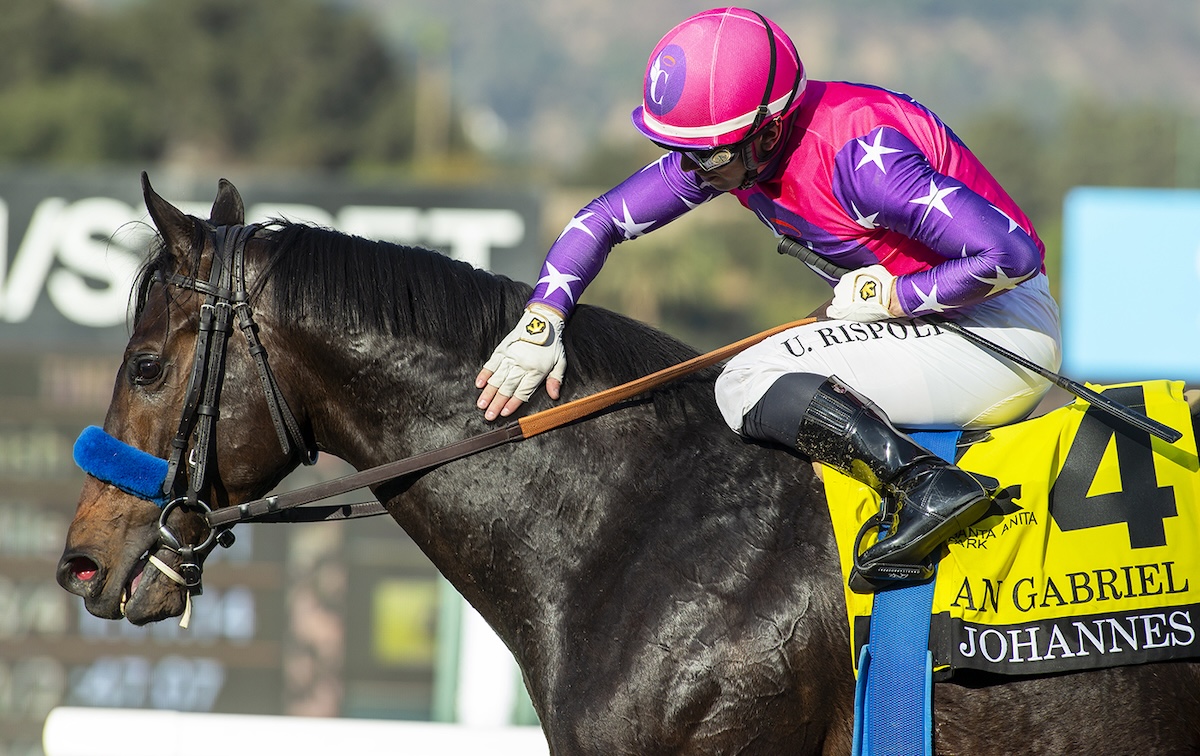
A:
[160,262]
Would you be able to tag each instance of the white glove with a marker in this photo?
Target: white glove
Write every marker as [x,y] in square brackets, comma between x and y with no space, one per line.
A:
[533,350]
[863,295]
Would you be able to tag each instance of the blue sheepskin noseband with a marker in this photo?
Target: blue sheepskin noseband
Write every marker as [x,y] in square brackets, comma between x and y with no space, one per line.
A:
[116,462]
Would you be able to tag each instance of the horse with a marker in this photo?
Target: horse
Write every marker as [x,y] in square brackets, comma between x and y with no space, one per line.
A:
[665,586]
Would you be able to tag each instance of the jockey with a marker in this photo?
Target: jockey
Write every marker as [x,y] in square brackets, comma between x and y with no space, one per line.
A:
[869,180]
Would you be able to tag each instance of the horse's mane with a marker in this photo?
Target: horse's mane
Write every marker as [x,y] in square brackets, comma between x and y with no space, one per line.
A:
[381,287]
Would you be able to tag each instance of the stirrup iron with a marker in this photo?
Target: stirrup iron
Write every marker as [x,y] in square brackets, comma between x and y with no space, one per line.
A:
[866,578]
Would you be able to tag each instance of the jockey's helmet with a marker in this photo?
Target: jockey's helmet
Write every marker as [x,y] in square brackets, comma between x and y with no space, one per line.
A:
[716,79]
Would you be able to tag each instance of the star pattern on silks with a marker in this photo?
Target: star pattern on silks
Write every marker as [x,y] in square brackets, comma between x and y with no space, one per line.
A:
[577,222]
[1001,281]
[929,302]
[768,222]
[657,163]
[556,281]
[873,153]
[935,199]
[629,227]
[866,221]
[1012,224]
[686,202]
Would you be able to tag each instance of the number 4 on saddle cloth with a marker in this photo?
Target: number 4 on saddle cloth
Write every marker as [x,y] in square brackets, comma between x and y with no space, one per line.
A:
[1088,558]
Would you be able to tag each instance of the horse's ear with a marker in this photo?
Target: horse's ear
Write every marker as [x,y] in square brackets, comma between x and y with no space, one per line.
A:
[175,226]
[227,209]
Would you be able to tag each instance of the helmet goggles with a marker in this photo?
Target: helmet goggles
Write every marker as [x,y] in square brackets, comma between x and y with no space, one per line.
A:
[711,159]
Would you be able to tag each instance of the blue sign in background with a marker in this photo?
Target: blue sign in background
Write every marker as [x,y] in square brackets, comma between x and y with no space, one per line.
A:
[1130,290]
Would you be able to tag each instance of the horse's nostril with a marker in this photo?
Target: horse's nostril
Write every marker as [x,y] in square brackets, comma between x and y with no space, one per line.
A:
[80,575]
[82,569]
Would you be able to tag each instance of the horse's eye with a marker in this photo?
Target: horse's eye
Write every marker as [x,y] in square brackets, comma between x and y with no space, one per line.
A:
[145,369]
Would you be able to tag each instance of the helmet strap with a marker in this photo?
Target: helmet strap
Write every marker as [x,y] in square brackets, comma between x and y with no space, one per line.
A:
[764,111]
[762,116]
[751,158]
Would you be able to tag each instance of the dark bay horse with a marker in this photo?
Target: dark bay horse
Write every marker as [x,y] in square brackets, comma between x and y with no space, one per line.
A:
[665,586]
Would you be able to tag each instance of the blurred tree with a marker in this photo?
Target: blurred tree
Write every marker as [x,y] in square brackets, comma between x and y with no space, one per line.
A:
[1092,143]
[1014,150]
[80,118]
[38,40]
[291,82]
[1098,144]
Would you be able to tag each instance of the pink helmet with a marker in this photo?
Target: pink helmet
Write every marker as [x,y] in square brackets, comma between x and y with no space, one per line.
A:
[716,78]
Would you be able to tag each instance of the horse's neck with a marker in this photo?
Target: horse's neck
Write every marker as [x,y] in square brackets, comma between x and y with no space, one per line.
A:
[599,503]
[390,400]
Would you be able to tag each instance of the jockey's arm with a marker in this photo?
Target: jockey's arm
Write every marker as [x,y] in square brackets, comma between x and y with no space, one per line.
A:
[649,199]
[985,251]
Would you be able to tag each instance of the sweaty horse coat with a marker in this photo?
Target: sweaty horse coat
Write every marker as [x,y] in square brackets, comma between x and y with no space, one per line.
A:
[665,586]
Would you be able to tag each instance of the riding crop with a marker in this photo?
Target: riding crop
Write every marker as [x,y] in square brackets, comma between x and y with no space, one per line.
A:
[792,247]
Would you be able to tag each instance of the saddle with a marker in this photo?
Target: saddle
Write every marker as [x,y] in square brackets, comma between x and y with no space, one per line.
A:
[1088,557]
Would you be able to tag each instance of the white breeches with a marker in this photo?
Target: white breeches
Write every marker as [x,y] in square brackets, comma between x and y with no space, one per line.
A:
[921,376]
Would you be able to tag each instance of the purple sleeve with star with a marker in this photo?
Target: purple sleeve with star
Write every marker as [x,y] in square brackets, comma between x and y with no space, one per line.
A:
[650,198]
[986,251]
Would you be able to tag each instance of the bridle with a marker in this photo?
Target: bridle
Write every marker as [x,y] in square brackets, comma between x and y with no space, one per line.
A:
[171,484]
[195,440]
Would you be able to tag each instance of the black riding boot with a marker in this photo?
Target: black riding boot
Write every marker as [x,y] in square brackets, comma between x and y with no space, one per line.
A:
[837,426]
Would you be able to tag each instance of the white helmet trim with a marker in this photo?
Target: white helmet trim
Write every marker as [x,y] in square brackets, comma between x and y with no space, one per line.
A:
[719,129]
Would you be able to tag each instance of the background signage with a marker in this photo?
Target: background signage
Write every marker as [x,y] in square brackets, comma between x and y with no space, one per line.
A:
[337,619]
[70,245]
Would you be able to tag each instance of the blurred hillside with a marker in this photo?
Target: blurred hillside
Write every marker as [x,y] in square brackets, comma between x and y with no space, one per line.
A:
[547,77]
[1050,93]
[537,94]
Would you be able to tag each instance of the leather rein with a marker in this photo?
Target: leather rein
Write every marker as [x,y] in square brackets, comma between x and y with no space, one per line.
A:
[226,294]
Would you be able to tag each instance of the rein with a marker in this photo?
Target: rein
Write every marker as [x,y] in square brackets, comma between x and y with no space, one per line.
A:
[170,485]
[283,507]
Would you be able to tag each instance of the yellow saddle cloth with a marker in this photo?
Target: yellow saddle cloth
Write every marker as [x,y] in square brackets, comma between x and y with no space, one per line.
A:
[1089,557]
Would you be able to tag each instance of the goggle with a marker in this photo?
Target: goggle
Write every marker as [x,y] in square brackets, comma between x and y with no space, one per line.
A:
[717,157]
[710,159]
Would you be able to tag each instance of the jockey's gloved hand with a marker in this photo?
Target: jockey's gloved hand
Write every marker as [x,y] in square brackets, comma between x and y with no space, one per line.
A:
[531,352]
[863,295]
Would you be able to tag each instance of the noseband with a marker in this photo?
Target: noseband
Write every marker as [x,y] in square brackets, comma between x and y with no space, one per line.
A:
[134,471]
